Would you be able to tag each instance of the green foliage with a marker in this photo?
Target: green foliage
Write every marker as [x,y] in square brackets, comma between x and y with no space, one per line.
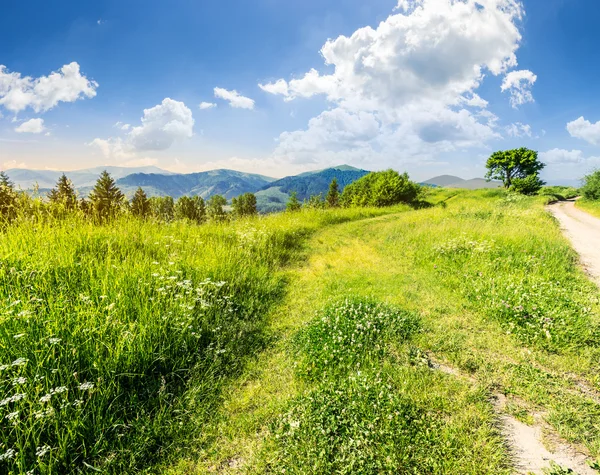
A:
[244,205]
[379,189]
[140,205]
[191,208]
[8,199]
[529,185]
[333,195]
[293,204]
[64,194]
[215,208]
[162,208]
[556,469]
[591,186]
[510,165]
[348,334]
[560,193]
[106,198]
[315,202]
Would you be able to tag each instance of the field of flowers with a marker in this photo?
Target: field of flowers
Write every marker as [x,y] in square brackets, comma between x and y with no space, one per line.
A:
[113,338]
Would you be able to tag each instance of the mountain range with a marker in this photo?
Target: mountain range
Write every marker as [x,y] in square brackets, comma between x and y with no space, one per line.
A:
[272,194]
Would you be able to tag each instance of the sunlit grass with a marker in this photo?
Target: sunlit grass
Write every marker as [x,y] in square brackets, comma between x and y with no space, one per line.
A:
[592,207]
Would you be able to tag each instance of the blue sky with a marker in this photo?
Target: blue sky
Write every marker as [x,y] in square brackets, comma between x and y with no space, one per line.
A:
[121,83]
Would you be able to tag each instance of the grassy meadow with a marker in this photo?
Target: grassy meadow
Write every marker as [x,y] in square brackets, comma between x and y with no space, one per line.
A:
[592,207]
[298,343]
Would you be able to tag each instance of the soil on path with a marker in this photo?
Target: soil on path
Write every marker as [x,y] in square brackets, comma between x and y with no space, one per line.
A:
[583,230]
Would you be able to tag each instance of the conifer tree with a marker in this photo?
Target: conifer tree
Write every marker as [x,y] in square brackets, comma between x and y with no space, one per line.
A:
[106,198]
[333,195]
[140,205]
[64,193]
[293,204]
[191,208]
[215,208]
[8,198]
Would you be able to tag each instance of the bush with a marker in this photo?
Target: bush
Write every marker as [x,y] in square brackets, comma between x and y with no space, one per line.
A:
[380,189]
[591,186]
[529,185]
[561,193]
[349,334]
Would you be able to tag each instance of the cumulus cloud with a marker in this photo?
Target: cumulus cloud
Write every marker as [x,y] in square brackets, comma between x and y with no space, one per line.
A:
[41,94]
[519,130]
[207,105]
[234,98]
[519,84]
[585,130]
[561,156]
[162,125]
[406,89]
[31,126]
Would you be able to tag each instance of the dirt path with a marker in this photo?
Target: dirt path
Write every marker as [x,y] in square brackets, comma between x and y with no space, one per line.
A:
[583,230]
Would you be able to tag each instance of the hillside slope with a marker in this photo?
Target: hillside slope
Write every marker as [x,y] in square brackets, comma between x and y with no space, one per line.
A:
[275,195]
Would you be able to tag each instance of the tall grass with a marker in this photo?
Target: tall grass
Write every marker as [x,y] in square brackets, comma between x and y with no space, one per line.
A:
[113,336]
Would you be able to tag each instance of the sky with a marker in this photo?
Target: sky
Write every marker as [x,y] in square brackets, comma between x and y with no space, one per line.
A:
[281,87]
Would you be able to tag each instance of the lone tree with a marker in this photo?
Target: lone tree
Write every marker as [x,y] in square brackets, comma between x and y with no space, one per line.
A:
[591,186]
[191,208]
[140,205]
[244,205]
[293,204]
[379,189]
[513,165]
[106,198]
[8,198]
[215,208]
[64,193]
[333,195]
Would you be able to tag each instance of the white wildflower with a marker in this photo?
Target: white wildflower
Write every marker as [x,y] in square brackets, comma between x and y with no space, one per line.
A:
[54,341]
[20,362]
[10,453]
[86,386]
[20,380]
[41,451]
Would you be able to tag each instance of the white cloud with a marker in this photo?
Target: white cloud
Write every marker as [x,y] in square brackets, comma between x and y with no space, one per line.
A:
[519,84]
[560,156]
[406,90]
[122,126]
[234,98]
[162,125]
[585,130]
[207,105]
[43,93]
[113,148]
[32,126]
[519,130]
[13,164]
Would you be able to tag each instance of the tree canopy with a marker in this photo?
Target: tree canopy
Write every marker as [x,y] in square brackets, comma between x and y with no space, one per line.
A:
[511,165]
[106,198]
[333,195]
[64,193]
[380,189]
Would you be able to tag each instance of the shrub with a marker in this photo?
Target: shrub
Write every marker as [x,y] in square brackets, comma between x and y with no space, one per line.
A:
[561,193]
[191,208]
[293,204]
[591,186]
[528,185]
[140,205]
[379,189]
[8,198]
[215,208]
[244,205]
[163,208]
[349,334]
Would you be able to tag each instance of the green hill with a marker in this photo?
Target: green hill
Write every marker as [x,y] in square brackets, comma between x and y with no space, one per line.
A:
[275,195]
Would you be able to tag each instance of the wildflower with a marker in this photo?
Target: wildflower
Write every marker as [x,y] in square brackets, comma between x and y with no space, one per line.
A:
[20,335]
[20,380]
[54,341]
[20,362]
[10,453]
[3,367]
[12,415]
[41,451]
[86,386]
[45,398]
[13,398]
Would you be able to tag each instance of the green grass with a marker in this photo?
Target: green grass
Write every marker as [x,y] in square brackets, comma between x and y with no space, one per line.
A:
[457,266]
[592,207]
[295,343]
[113,339]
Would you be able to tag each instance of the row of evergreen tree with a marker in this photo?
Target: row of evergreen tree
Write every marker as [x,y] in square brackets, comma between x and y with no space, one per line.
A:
[106,201]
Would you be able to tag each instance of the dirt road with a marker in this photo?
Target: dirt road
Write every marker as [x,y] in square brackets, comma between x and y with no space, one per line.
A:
[583,230]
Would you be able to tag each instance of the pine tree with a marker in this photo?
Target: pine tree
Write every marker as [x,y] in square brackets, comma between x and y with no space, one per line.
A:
[244,205]
[8,198]
[64,193]
[106,198]
[215,208]
[333,195]
[140,205]
[293,204]
[191,208]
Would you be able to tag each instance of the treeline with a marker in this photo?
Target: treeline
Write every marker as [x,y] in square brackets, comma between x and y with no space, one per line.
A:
[106,201]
